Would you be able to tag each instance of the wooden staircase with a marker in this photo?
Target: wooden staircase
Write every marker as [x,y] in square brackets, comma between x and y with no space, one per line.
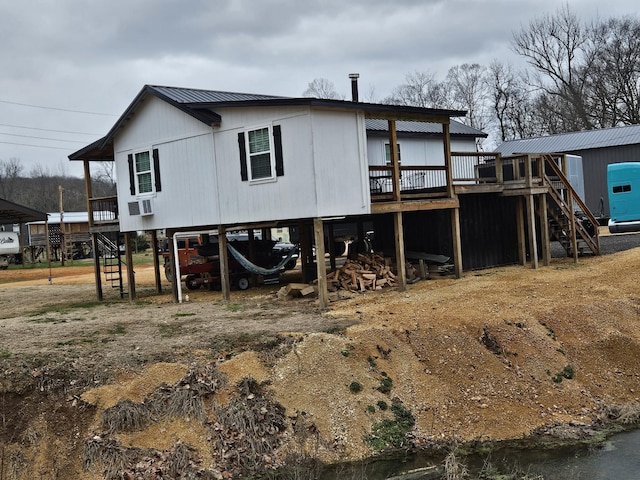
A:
[570,222]
[111,261]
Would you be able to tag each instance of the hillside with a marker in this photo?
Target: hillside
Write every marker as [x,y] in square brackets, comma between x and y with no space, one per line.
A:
[217,390]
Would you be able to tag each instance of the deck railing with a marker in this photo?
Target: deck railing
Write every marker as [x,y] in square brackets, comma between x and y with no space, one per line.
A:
[104,210]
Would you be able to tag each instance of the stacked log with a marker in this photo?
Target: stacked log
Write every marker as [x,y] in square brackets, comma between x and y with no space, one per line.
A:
[367,272]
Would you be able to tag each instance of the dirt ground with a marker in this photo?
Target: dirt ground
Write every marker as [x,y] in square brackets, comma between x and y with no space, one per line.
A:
[496,355]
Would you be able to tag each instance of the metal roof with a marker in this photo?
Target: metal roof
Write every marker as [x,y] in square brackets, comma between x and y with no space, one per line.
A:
[200,104]
[192,95]
[13,213]
[456,128]
[574,141]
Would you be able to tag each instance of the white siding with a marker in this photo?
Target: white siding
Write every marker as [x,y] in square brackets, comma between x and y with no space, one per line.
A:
[187,170]
[320,150]
[416,151]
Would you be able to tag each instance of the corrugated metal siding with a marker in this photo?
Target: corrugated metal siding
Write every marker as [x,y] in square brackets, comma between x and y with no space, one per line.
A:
[487,228]
[594,164]
[574,141]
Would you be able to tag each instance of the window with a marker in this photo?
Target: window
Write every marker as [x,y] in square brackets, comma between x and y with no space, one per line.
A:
[387,153]
[144,175]
[261,153]
[621,188]
[143,172]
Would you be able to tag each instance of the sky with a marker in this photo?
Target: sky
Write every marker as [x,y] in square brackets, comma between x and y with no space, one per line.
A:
[69,68]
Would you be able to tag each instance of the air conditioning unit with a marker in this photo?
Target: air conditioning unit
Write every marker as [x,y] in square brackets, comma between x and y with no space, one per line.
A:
[146,207]
[143,207]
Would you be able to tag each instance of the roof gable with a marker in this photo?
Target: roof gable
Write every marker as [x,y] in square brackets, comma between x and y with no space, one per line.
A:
[200,104]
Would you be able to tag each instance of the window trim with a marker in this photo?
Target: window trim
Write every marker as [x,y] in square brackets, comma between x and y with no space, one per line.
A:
[386,148]
[271,152]
[154,172]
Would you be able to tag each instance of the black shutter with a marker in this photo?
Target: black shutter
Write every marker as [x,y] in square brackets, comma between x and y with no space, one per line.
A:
[132,175]
[156,169]
[277,145]
[243,157]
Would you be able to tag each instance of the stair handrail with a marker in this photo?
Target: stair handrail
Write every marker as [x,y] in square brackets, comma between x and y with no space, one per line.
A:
[594,243]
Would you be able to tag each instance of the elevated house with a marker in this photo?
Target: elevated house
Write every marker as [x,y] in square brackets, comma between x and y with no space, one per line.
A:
[200,160]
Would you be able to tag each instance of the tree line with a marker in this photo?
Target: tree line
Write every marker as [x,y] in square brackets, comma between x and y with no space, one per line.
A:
[579,75]
[40,188]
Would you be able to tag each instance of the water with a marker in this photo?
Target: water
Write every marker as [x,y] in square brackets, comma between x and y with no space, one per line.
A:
[618,459]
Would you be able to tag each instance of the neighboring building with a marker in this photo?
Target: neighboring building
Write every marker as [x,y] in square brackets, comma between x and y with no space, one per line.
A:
[201,160]
[76,241]
[598,148]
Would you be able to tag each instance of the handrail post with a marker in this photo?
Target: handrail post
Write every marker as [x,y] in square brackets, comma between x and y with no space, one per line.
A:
[499,174]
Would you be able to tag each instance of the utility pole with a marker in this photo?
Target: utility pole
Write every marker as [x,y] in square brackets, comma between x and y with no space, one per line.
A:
[62,244]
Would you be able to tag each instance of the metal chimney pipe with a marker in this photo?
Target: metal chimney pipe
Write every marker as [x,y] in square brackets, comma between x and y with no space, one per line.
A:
[354,86]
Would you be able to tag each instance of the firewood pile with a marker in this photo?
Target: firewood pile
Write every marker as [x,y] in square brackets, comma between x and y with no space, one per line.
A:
[367,272]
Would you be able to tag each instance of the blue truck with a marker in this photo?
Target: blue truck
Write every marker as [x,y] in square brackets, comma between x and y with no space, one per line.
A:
[623,186]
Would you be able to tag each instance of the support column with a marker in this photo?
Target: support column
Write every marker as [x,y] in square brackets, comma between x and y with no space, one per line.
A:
[96,264]
[224,263]
[395,163]
[400,258]
[156,260]
[457,242]
[544,233]
[318,233]
[131,274]
[531,230]
[175,278]
[522,246]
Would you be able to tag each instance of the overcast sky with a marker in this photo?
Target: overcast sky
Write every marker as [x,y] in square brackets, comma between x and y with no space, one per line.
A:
[75,65]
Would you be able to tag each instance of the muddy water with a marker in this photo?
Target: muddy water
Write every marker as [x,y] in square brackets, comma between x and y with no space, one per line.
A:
[617,459]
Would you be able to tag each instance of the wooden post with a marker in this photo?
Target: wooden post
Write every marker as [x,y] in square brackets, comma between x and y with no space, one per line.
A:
[544,225]
[446,143]
[395,164]
[400,258]
[156,260]
[62,235]
[531,223]
[224,263]
[499,172]
[457,242]
[572,225]
[318,233]
[451,193]
[175,278]
[96,265]
[522,246]
[131,274]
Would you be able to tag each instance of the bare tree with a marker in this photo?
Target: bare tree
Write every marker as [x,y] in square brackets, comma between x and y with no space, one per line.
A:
[615,83]
[558,48]
[10,172]
[322,88]
[421,89]
[470,92]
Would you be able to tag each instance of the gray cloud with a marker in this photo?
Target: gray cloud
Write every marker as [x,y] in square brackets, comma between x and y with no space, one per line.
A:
[95,56]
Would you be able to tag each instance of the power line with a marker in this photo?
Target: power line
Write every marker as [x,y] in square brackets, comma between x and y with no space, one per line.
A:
[41,138]
[58,109]
[36,146]
[48,129]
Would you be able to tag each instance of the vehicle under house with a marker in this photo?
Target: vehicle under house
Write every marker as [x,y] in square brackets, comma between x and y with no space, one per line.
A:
[192,160]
